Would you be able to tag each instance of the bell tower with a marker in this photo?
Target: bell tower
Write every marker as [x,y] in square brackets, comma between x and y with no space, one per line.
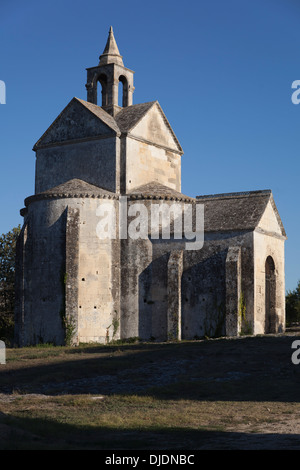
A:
[109,73]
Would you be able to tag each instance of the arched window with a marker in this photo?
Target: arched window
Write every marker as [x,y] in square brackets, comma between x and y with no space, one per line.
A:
[270,296]
[102,79]
[123,91]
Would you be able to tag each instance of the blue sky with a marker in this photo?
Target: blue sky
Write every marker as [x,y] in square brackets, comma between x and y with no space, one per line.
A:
[221,70]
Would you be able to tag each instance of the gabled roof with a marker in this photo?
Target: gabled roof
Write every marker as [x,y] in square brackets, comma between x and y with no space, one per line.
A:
[154,190]
[72,188]
[124,121]
[100,113]
[237,211]
[128,117]
[57,133]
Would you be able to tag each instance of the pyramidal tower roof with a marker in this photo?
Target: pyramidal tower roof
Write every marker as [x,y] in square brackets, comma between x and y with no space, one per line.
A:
[111,54]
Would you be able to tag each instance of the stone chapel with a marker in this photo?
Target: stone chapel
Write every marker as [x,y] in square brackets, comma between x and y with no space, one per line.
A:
[73,286]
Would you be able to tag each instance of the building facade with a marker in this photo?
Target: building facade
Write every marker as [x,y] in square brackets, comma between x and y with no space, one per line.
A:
[84,276]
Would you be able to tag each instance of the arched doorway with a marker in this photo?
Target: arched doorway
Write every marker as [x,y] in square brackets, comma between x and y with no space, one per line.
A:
[270,296]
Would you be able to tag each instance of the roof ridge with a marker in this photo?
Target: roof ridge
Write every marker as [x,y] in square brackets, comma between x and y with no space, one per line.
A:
[95,109]
[262,192]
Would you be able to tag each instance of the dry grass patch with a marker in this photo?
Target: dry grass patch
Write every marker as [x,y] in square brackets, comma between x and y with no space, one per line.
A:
[216,394]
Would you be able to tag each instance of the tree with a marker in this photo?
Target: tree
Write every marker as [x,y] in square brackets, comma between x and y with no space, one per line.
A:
[292,305]
[7,282]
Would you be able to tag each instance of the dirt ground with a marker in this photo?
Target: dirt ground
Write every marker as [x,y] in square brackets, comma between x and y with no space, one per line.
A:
[241,393]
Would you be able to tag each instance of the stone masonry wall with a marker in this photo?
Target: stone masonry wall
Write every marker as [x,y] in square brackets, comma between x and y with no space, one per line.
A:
[205,286]
[96,162]
[70,275]
[266,245]
[43,266]
[98,309]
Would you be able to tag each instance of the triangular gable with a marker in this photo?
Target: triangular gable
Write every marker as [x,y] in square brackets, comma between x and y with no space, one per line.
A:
[148,122]
[78,120]
[270,220]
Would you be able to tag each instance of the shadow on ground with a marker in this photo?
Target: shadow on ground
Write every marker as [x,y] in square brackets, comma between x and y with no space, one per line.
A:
[30,434]
[249,369]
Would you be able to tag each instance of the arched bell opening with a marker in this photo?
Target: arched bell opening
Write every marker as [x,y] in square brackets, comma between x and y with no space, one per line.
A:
[123,91]
[102,80]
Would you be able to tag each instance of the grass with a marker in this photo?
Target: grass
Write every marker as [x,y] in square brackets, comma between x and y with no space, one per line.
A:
[213,394]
